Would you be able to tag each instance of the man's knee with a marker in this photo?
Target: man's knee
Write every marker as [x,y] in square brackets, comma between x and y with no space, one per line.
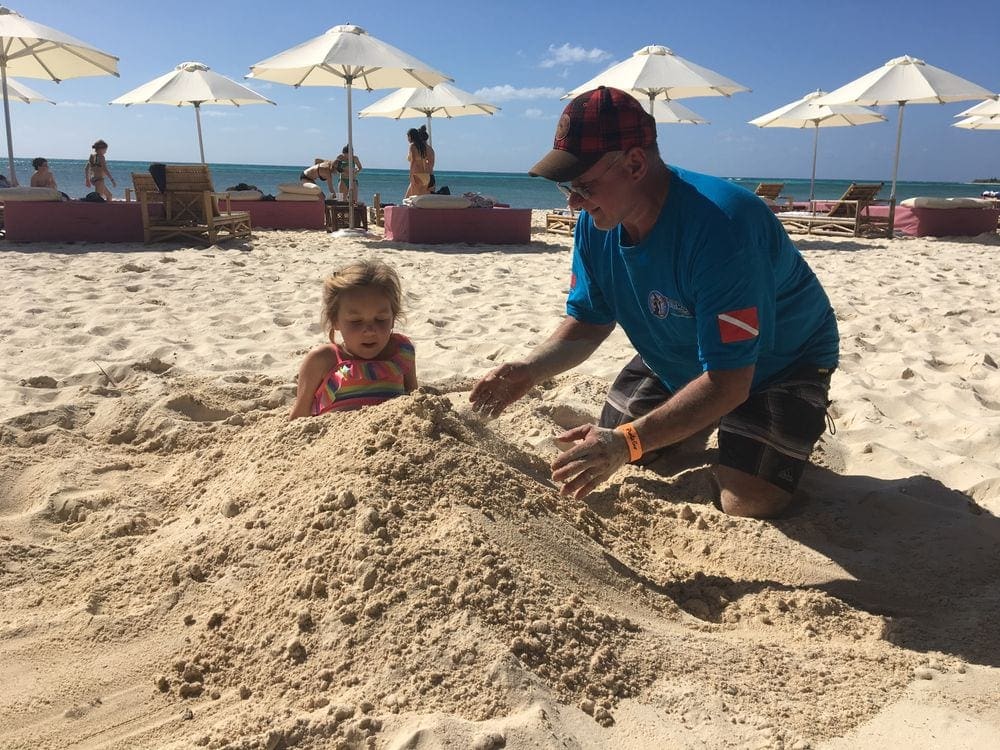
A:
[741,494]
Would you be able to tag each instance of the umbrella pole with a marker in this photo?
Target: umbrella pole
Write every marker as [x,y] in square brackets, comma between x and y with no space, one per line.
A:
[6,117]
[812,181]
[895,164]
[197,117]
[430,140]
[350,160]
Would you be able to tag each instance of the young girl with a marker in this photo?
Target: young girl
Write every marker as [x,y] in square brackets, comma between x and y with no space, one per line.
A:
[96,171]
[373,364]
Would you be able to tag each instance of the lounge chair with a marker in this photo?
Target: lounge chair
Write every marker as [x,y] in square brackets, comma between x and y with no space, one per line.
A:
[338,215]
[191,208]
[561,221]
[376,212]
[850,215]
[770,193]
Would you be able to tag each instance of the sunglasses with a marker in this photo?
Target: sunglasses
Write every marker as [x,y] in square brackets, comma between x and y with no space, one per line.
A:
[583,189]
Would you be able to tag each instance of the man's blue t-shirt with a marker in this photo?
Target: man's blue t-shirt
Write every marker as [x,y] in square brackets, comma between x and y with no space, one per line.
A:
[716,285]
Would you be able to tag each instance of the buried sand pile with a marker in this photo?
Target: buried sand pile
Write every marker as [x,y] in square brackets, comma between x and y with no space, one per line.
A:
[328,581]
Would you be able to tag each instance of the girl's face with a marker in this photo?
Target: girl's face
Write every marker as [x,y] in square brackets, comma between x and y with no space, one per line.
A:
[365,321]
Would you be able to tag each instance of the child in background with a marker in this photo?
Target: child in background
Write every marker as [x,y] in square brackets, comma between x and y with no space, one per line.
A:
[373,364]
[96,171]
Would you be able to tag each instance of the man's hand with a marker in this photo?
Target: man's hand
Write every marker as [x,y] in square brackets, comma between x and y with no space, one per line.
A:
[598,453]
[500,388]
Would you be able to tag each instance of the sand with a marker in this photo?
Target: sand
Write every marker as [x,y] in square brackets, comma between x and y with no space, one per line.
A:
[181,566]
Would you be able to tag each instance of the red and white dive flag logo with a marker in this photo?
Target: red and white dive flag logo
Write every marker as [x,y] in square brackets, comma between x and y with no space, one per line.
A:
[738,325]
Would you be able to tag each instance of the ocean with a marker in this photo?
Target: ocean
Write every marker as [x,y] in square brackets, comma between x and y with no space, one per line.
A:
[518,190]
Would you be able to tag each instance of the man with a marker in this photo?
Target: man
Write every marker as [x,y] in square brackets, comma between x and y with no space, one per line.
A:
[730,324]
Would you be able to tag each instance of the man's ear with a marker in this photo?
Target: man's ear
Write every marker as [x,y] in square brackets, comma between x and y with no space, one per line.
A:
[636,163]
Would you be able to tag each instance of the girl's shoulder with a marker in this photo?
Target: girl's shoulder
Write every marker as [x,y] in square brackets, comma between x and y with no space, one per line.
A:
[402,345]
[324,356]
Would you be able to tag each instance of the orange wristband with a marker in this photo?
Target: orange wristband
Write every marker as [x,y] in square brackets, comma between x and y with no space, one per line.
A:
[632,440]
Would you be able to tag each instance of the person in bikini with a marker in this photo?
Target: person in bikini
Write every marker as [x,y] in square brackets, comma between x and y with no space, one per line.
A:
[322,169]
[341,166]
[373,364]
[421,158]
[96,172]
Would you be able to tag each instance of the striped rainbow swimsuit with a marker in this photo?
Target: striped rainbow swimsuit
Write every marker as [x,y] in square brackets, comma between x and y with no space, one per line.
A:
[353,383]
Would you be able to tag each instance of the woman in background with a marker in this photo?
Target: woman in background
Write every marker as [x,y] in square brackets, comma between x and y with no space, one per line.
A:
[421,158]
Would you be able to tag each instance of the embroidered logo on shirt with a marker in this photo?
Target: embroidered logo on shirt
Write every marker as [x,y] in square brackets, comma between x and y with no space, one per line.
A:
[572,281]
[661,306]
[738,325]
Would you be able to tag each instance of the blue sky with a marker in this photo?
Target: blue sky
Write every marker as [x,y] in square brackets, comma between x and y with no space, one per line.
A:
[522,56]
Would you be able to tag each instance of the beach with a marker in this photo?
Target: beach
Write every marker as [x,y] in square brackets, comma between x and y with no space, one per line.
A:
[182,566]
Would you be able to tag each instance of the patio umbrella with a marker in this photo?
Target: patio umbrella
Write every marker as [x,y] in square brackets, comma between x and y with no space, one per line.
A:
[444,100]
[980,122]
[20,92]
[806,113]
[192,84]
[655,72]
[989,108]
[340,57]
[31,50]
[677,114]
[901,81]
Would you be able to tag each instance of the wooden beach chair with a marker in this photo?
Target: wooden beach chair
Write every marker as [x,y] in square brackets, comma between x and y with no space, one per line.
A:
[850,215]
[770,192]
[376,212]
[191,208]
[338,215]
[561,222]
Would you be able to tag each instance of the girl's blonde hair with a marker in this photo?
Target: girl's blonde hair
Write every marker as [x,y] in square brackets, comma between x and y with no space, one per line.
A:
[359,275]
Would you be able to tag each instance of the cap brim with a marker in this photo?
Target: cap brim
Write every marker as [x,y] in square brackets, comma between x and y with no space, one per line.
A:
[562,166]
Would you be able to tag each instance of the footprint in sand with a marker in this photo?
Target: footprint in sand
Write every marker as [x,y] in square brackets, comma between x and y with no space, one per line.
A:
[196,411]
[40,381]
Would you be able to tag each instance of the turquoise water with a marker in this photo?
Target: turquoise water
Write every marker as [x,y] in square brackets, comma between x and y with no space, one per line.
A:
[519,190]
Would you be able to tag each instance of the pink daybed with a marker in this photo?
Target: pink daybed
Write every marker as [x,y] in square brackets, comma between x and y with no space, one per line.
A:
[491,226]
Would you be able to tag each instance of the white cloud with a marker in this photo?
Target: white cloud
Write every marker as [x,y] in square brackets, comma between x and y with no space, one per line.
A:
[534,114]
[569,55]
[507,93]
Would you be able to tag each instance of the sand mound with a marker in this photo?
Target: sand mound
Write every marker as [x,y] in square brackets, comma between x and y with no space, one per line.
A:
[331,579]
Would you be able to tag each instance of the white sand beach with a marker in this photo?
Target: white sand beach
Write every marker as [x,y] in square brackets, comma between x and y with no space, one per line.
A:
[181,566]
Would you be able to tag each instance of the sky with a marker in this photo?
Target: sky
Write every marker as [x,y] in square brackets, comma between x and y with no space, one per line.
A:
[522,56]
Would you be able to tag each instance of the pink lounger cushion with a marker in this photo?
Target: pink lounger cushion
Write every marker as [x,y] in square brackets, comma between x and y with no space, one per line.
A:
[73,221]
[302,214]
[941,222]
[120,221]
[435,226]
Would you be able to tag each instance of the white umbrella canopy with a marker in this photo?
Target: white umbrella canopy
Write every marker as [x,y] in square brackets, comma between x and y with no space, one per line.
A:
[32,50]
[676,114]
[192,84]
[807,113]
[342,56]
[980,122]
[20,92]
[989,108]
[901,81]
[655,72]
[443,100]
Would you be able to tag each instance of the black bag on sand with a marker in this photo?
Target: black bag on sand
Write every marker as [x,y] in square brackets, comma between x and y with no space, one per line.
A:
[93,198]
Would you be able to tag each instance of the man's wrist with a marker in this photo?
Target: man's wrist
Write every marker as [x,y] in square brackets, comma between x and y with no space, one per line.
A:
[632,440]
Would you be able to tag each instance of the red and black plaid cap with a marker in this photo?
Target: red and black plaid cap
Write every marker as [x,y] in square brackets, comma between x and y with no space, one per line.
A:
[592,125]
